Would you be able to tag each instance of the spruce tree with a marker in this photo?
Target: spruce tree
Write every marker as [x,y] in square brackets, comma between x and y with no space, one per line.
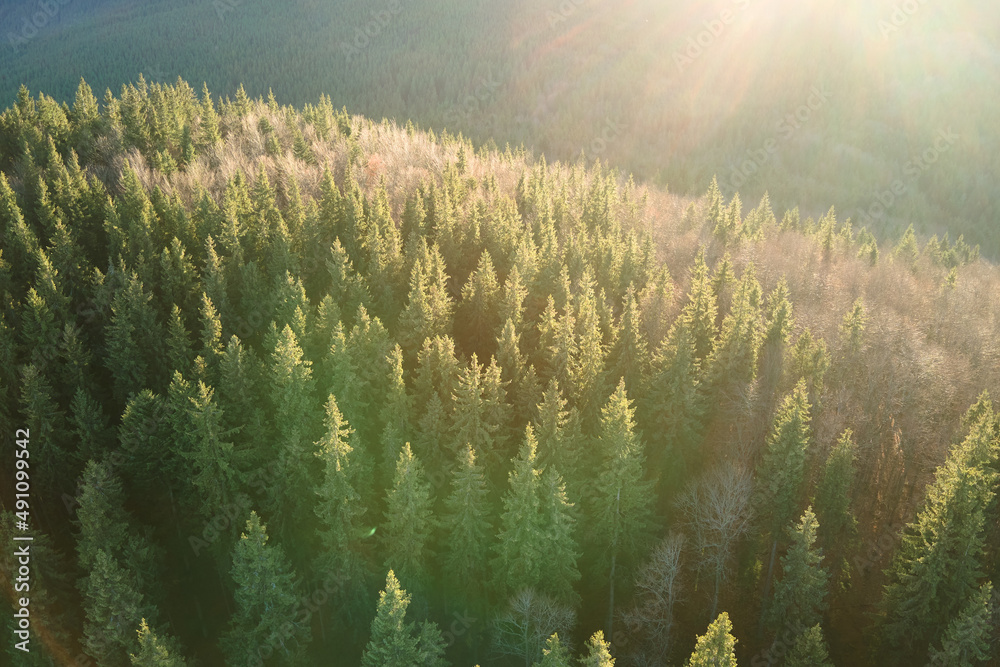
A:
[409,521]
[966,641]
[155,651]
[799,595]
[396,643]
[781,471]
[700,311]
[555,654]
[833,494]
[809,650]
[114,606]
[266,621]
[466,524]
[622,502]
[598,652]
[717,647]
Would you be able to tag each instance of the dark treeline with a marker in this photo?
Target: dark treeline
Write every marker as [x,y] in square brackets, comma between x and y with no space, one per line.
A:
[304,388]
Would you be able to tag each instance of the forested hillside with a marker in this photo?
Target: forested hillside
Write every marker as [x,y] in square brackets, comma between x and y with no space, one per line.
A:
[882,108]
[307,388]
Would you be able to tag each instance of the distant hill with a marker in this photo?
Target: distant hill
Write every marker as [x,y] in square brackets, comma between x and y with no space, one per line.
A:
[675,92]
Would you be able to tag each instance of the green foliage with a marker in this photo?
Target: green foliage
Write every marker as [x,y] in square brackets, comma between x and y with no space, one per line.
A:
[155,651]
[833,493]
[265,624]
[809,649]
[967,639]
[799,595]
[780,473]
[396,643]
[409,521]
[717,647]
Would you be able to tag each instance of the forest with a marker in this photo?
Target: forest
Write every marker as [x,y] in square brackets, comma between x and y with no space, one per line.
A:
[301,387]
[669,91]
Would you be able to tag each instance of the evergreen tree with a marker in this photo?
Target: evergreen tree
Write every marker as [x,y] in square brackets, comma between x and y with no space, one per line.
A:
[700,311]
[396,643]
[340,509]
[852,328]
[114,606]
[966,641]
[480,309]
[555,654]
[598,652]
[781,471]
[799,596]
[622,508]
[467,524]
[154,651]
[717,647]
[629,358]
[216,468]
[938,564]
[733,360]
[409,521]
[833,495]
[527,546]
[266,621]
[809,650]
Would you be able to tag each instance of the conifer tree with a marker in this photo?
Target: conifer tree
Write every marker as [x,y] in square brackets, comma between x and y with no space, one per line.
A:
[966,641]
[598,652]
[781,471]
[938,564]
[700,311]
[409,521]
[216,468]
[717,647]
[266,621]
[132,334]
[673,406]
[396,643]
[527,546]
[833,495]
[852,327]
[629,358]
[799,595]
[809,650]
[734,358]
[155,651]
[340,508]
[480,309]
[467,524]
[114,606]
[622,502]
[555,654]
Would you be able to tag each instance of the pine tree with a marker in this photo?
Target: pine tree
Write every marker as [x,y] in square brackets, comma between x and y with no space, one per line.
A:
[673,407]
[629,358]
[396,643]
[622,512]
[700,312]
[114,606]
[216,468]
[555,654]
[781,471]
[467,524]
[799,596]
[717,647]
[340,509]
[479,312]
[833,494]
[527,547]
[939,561]
[809,650]
[409,521]
[852,328]
[598,652]
[967,639]
[266,621]
[132,334]
[155,651]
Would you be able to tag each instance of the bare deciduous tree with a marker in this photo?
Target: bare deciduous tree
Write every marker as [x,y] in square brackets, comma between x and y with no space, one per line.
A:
[657,590]
[718,511]
[531,618]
